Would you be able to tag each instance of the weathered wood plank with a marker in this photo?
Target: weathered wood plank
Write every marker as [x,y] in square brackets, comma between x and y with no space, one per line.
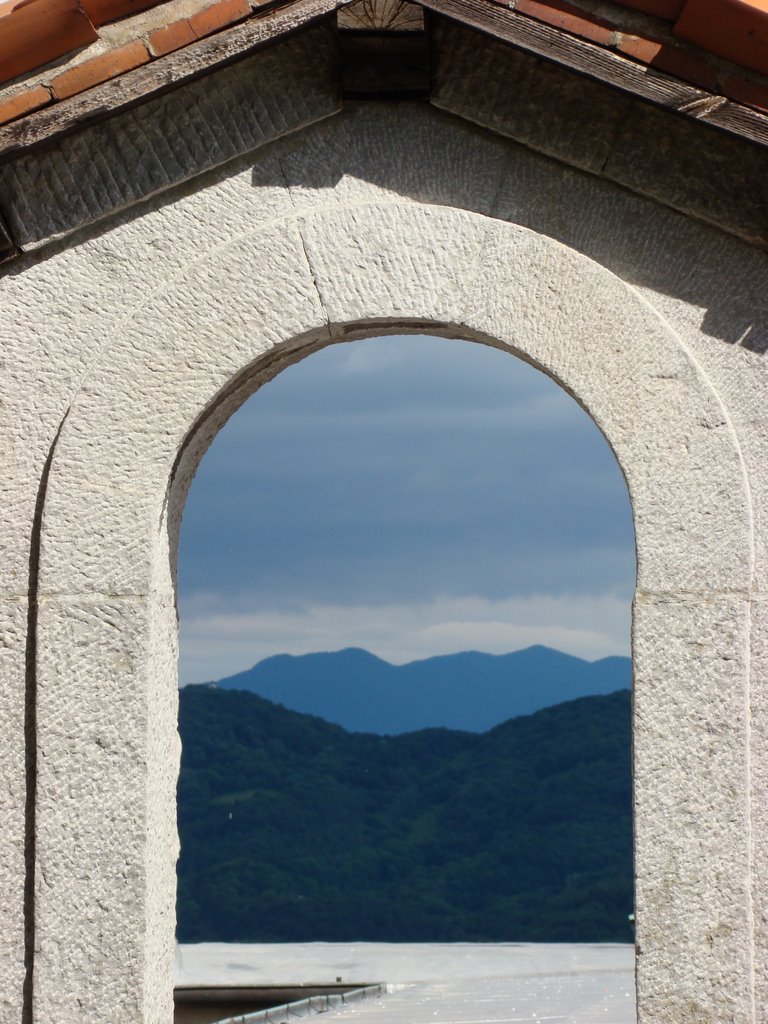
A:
[604,66]
[382,15]
[160,75]
[8,249]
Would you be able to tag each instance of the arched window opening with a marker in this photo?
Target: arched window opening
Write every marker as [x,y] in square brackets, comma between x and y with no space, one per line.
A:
[426,546]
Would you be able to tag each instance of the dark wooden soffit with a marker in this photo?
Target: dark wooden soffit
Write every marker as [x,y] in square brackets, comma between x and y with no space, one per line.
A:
[163,74]
[594,61]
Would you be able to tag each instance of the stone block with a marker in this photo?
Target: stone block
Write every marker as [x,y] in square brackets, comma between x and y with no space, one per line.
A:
[692,835]
[758,777]
[372,152]
[583,327]
[105,877]
[170,365]
[389,265]
[16,729]
[121,161]
[517,95]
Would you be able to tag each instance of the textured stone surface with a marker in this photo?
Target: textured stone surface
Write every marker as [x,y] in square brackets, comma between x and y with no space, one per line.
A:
[99,889]
[758,769]
[502,88]
[119,162]
[692,823]
[411,264]
[221,315]
[363,154]
[589,125]
[13,805]
[146,333]
[681,170]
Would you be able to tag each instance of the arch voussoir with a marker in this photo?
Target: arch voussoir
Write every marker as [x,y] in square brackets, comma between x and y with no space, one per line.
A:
[181,363]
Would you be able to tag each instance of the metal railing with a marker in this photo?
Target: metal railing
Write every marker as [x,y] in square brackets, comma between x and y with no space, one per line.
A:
[305,1007]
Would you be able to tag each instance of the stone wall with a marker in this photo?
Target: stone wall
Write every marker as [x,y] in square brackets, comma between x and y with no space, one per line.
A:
[127,346]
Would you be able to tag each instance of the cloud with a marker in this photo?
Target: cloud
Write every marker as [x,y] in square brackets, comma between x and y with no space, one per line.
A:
[392,470]
[359,497]
[218,640]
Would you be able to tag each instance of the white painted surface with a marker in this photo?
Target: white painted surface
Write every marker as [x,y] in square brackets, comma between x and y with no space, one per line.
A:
[456,983]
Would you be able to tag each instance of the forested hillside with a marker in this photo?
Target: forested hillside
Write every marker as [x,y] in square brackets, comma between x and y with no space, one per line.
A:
[293,829]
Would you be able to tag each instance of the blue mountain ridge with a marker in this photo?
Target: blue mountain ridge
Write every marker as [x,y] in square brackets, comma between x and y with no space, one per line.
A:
[470,691]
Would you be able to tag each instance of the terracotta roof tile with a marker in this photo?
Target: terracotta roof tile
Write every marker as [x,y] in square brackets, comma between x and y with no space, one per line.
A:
[37,31]
[24,102]
[99,69]
[734,29]
[745,90]
[171,37]
[102,11]
[218,15]
[641,48]
[691,67]
[715,45]
[566,16]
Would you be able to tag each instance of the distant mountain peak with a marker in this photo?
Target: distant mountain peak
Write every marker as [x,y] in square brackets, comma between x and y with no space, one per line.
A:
[470,690]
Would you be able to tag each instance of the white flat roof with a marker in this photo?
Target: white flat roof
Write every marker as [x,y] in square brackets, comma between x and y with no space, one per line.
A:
[438,983]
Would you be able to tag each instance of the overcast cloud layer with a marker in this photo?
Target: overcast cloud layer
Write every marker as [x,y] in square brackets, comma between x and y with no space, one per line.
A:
[413,496]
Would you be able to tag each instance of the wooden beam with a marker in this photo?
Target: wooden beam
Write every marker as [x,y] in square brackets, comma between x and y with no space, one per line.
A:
[8,248]
[160,75]
[604,66]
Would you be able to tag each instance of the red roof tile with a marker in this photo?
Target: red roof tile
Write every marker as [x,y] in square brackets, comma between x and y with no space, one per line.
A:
[566,16]
[734,29]
[218,15]
[102,11]
[34,32]
[171,37]
[99,69]
[24,102]
[688,39]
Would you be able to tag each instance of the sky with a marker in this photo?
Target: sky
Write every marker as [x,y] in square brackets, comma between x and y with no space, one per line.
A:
[410,495]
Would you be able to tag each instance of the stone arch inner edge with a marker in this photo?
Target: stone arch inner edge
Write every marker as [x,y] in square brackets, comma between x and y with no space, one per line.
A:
[674,576]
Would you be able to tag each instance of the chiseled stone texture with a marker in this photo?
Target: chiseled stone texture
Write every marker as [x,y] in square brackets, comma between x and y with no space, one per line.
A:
[168,140]
[692,814]
[13,800]
[139,337]
[759,771]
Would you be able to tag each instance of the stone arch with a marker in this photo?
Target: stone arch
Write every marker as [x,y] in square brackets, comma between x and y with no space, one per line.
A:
[178,367]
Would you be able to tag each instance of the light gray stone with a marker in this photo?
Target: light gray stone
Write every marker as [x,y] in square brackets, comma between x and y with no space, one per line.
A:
[131,418]
[105,880]
[14,807]
[373,152]
[118,162]
[583,327]
[703,176]
[382,265]
[692,835]
[141,336]
[758,778]
[535,102]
